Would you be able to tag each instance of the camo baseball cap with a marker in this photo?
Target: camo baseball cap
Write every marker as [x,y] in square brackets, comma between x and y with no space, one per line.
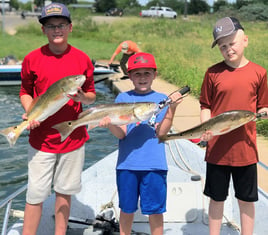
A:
[141,60]
[225,27]
[54,10]
[124,47]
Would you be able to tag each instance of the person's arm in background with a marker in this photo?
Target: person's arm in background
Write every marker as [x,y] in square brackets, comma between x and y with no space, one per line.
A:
[116,52]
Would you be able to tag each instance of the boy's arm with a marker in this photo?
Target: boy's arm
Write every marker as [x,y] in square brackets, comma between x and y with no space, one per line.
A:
[205,115]
[26,101]
[116,52]
[164,127]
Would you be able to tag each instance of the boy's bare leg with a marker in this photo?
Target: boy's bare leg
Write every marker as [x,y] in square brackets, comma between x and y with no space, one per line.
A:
[126,220]
[215,217]
[32,216]
[247,215]
[62,213]
[156,224]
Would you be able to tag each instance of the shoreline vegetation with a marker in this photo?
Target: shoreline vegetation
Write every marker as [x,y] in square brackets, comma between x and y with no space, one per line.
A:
[182,47]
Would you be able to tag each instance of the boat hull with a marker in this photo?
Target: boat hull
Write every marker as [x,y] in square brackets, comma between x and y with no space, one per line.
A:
[187,207]
[11,74]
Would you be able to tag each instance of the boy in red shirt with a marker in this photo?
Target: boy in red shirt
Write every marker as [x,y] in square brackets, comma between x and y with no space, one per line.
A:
[233,84]
[50,161]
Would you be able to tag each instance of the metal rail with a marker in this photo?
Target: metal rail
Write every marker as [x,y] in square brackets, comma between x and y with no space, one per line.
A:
[7,202]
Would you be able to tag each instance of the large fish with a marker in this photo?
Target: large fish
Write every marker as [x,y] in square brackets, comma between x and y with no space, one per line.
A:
[46,104]
[218,125]
[119,113]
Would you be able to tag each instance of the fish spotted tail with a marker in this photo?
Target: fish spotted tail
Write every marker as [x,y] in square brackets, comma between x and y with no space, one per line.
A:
[12,134]
[64,128]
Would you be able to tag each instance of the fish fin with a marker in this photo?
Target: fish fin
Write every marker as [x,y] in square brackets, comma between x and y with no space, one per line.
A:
[12,134]
[86,112]
[64,129]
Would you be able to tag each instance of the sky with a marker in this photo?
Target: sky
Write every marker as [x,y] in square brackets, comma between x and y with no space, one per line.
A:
[143,2]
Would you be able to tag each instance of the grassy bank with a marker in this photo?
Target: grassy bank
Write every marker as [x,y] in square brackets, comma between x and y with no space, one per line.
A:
[182,47]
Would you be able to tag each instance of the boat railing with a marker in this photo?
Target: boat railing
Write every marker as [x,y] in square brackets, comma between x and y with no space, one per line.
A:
[7,202]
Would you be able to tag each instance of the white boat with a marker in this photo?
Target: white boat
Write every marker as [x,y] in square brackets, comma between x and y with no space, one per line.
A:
[95,209]
[10,74]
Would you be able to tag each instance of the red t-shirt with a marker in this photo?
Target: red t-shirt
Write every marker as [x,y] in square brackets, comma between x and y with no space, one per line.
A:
[224,89]
[40,69]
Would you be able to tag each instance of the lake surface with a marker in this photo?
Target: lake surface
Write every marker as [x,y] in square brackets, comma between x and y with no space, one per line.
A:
[13,161]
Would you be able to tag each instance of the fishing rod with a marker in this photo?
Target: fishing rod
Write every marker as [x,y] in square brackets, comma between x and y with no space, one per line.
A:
[162,104]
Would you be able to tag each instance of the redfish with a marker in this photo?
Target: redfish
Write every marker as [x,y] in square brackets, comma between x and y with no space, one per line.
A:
[119,113]
[46,105]
[218,125]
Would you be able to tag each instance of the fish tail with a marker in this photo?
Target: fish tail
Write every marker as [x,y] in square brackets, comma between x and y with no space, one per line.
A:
[64,128]
[12,134]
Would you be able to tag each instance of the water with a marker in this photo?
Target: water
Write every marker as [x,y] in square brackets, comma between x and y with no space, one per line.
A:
[13,161]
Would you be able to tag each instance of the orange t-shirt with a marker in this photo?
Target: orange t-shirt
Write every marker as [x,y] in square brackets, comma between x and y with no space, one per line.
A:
[132,48]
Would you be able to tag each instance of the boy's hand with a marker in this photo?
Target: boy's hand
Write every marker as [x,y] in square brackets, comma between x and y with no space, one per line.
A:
[32,124]
[176,98]
[105,122]
[79,96]
[206,136]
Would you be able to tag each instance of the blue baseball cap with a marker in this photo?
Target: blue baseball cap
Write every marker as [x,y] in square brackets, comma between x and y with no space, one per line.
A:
[54,10]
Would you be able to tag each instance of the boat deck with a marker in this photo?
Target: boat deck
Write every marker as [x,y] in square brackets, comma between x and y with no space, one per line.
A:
[187,207]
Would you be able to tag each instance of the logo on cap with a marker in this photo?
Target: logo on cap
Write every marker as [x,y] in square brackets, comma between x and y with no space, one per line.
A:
[218,29]
[140,59]
[54,9]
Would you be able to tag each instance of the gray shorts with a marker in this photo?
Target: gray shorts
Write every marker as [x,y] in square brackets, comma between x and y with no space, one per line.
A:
[62,171]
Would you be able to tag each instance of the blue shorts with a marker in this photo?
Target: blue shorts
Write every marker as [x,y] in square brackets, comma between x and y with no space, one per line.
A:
[149,186]
[244,180]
